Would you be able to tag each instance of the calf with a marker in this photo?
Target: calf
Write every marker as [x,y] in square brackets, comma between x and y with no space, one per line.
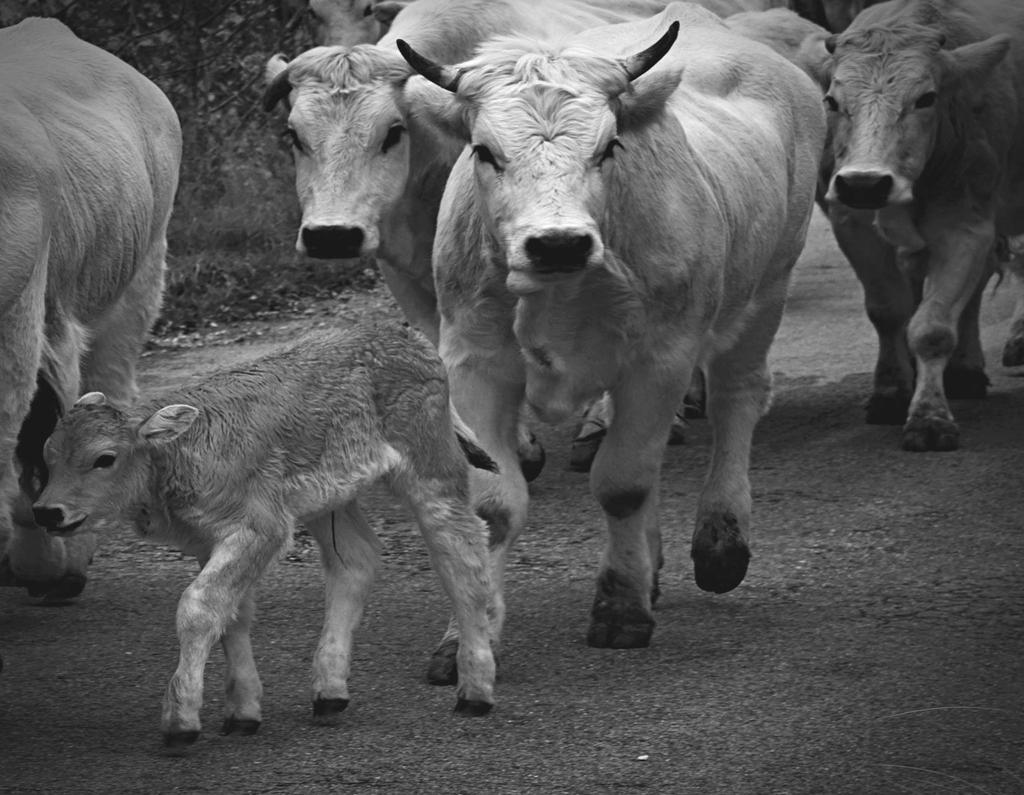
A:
[226,467]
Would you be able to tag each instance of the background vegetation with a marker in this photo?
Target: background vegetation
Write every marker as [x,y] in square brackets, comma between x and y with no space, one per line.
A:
[233,230]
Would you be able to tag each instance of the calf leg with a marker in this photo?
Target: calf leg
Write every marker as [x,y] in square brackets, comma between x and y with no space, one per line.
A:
[243,690]
[350,555]
[206,611]
[624,480]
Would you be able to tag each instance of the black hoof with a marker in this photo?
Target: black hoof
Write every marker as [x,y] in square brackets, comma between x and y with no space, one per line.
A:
[443,669]
[620,634]
[179,741]
[468,708]
[720,555]
[244,726]
[886,409]
[584,450]
[532,464]
[931,434]
[1013,352]
[964,383]
[618,619]
[327,710]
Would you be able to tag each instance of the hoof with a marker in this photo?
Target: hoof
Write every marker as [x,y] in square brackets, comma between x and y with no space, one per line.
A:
[584,450]
[244,726]
[931,434]
[469,708]
[532,459]
[443,669]
[327,710]
[720,555]
[887,409]
[63,590]
[180,741]
[1013,352]
[620,634]
[618,619]
[965,383]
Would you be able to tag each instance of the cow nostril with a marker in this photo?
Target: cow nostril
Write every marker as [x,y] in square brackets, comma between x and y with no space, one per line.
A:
[48,517]
[864,191]
[333,242]
[559,251]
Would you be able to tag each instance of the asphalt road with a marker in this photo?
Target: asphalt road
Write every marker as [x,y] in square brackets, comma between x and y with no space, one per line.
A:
[876,646]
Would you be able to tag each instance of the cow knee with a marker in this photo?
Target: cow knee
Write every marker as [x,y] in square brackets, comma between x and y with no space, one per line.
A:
[932,342]
[622,502]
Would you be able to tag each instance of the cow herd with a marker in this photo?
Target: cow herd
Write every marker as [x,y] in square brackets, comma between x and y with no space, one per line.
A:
[582,204]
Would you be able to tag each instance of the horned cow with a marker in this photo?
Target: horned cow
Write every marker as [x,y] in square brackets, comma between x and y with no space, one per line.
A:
[225,467]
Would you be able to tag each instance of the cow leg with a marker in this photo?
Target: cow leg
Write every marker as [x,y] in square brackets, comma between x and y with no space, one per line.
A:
[457,543]
[889,299]
[350,556]
[205,612]
[243,690]
[624,480]
[739,391]
[958,260]
[1013,351]
[964,377]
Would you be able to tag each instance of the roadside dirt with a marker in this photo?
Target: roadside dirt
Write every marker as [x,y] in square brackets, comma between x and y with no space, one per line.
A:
[877,645]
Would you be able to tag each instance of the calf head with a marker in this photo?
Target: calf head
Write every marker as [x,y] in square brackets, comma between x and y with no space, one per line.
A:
[893,90]
[544,128]
[99,462]
[347,131]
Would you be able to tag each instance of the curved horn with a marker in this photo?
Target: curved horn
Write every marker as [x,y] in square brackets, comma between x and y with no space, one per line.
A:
[92,399]
[445,76]
[279,88]
[637,64]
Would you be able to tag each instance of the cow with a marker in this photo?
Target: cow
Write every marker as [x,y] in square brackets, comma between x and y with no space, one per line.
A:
[89,157]
[351,22]
[925,173]
[225,468]
[608,229]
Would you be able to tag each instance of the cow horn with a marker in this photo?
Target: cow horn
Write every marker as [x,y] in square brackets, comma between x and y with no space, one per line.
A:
[637,64]
[92,399]
[445,76]
[279,88]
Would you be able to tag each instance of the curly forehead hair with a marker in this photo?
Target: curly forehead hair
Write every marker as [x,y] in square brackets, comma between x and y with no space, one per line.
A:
[343,69]
[892,39]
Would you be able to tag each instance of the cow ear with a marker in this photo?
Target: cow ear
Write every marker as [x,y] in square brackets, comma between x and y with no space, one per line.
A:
[437,107]
[275,75]
[815,59]
[647,99]
[385,12]
[977,60]
[168,423]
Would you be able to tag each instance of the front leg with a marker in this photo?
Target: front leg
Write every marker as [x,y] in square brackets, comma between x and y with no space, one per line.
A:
[624,480]
[958,258]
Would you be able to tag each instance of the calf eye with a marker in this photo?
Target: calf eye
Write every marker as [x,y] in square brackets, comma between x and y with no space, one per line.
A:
[926,100]
[393,137]
[484,155]
[609,151]
[831,104]
[104,461]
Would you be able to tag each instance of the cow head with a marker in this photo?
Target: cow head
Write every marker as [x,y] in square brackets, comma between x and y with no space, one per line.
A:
[544,126]
[892,90]
[347,23]
[348,135]
[99,461]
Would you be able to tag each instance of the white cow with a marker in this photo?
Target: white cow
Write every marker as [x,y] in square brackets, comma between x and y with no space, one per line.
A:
[224,469]
[89,156]
[610,230]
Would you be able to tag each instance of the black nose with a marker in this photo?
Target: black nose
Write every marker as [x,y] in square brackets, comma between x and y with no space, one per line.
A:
[48,517]
[864,191]
[559,252]
[333,242]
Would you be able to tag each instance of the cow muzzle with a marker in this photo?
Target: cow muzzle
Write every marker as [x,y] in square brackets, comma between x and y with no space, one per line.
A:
[333,242]
[56,519]
[862,190]
[559,251]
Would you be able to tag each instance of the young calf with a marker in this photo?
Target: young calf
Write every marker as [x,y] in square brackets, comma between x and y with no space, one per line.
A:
[226,467]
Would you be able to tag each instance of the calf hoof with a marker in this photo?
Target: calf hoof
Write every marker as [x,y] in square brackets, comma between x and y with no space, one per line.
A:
[443,669]
[720,555]
[886,409]
[532,459]
[326,711]
[965,383]
[1013,352]
[244,726]
[584,450]
[931,434]
[470,708]
[179,741]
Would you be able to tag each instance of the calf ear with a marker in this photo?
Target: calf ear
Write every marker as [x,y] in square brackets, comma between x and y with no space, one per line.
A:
[168,423]
[646,99]
[977,60]
[385,12]
[92,399]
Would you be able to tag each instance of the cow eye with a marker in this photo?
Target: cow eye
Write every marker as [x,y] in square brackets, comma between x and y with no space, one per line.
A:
[393,137]
[609,151]
[926,100]
[104,461]
[485,155]
[290,137]
[831,103]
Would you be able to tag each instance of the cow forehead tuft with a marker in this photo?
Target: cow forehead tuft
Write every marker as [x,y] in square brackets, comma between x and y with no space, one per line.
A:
[344,69]
[900,39]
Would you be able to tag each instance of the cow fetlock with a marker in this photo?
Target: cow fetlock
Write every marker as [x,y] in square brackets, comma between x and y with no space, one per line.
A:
[327,711]
[619,619]
[965,383]
[720,553]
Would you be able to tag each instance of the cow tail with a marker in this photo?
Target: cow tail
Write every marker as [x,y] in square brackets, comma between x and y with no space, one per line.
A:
[475,454]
